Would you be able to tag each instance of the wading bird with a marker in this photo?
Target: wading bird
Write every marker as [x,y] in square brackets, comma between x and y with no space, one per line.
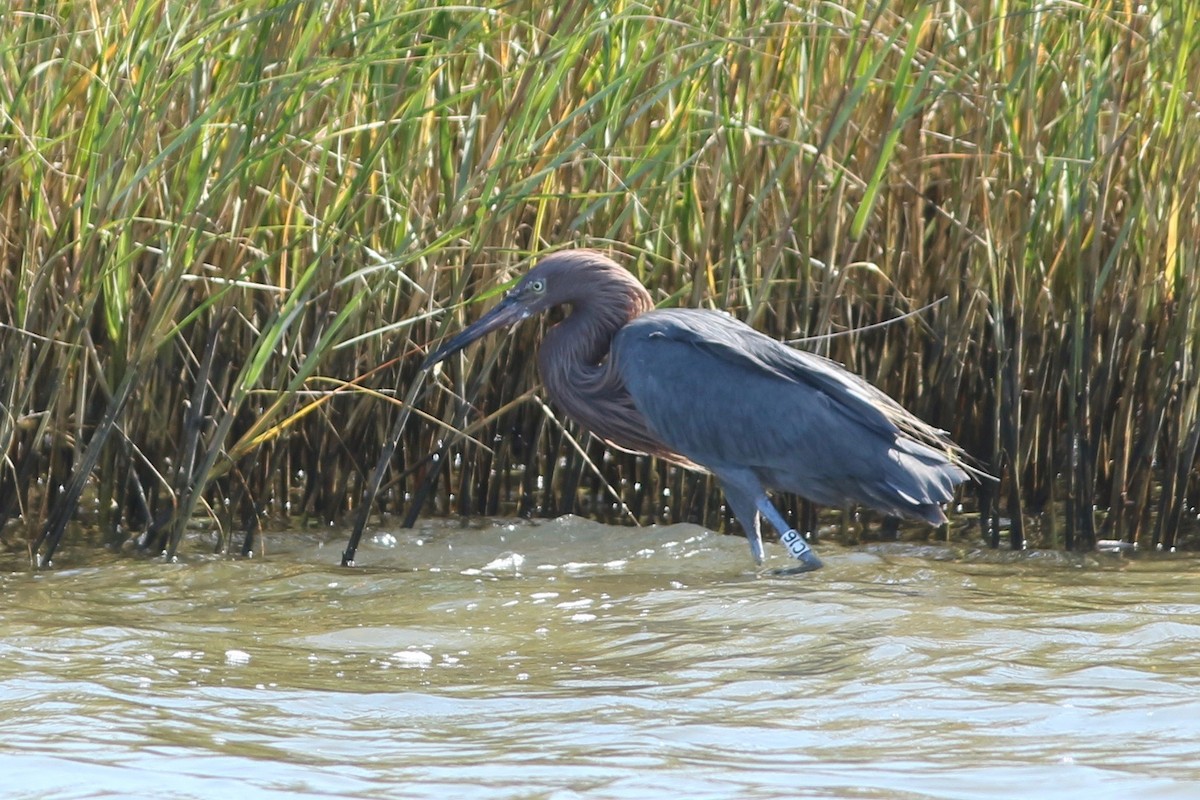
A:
[706,391]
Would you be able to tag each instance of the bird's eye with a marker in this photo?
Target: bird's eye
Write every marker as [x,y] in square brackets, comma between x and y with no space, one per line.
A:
[538,286]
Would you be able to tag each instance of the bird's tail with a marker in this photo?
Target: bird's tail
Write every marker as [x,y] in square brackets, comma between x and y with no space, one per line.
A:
[917,482]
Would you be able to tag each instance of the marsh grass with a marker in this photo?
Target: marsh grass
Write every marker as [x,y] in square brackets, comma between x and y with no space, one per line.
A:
[229,232]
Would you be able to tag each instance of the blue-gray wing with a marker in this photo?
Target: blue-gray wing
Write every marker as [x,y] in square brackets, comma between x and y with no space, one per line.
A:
[724,395]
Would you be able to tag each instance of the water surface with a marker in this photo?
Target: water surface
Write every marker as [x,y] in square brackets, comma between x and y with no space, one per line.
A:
[574,660]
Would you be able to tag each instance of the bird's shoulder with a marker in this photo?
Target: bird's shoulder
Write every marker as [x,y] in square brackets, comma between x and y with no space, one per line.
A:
[672,339]
[686,325]
[728,339]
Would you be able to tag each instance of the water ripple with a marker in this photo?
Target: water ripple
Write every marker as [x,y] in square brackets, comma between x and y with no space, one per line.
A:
[568,660]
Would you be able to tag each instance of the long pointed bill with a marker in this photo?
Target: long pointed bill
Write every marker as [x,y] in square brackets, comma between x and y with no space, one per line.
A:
[508,312]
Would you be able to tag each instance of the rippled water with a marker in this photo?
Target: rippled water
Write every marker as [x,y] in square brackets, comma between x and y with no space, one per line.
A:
[574,660]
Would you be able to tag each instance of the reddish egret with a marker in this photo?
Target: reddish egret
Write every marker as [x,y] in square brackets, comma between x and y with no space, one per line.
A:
[707,391]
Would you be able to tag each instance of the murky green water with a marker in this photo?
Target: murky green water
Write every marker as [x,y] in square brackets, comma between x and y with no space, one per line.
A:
[572,660]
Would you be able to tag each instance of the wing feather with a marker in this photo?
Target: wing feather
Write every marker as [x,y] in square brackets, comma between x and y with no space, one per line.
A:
[721,393]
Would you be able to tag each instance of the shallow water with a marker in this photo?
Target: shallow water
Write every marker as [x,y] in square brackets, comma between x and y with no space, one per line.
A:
[571,660]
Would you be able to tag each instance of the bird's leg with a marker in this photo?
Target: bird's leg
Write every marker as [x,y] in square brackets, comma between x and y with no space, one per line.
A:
[754,537]
[748,501]
[792,539]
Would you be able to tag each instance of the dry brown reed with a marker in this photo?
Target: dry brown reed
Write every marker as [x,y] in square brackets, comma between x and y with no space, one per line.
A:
[228,232]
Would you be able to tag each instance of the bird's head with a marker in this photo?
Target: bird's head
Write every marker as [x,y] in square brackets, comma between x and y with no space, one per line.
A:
[555,281]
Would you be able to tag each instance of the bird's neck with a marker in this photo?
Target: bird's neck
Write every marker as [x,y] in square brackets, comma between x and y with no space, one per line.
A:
[574,358]
[580,343]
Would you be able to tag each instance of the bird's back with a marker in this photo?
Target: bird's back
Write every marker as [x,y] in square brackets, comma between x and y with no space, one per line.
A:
[726,396]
